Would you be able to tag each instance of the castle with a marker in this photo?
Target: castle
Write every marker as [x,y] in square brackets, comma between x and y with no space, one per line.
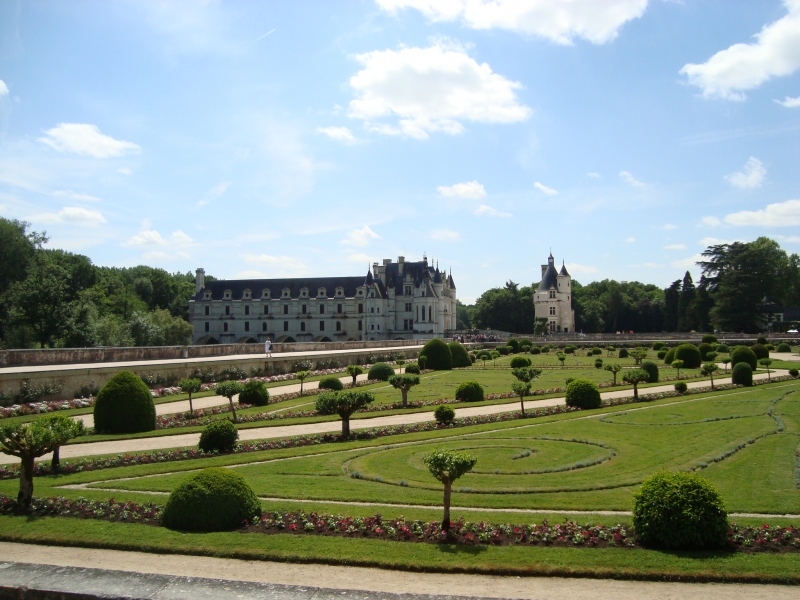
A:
[553,298]
[395,301]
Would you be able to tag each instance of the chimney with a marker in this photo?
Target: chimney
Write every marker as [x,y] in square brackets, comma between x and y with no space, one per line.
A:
[199,280]
[400,262]
[387,261]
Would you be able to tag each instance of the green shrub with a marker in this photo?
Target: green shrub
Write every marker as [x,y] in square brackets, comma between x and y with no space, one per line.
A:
[381,371]
[652,370]
[784,347]
[598,363]
[709,338]
[254,393]
[444,414]
[794,373]
[332,383]
[535,350]
[658,345]
[679,511]
[513,344]
[745,355]
[469,391]
[214,499]
[761,340]
[722,349]
[412,369]
[760,351]
[438,355]
[704,350]
[502,350]
[681,387]
[597,351]
[623,353]
[520,361]
[545,349]
[219,436]
[770,347]
[568,380]
[742,374]
[570,349]
[583,394]
[524,348]
[124,405]
[525,342]
[459,355]
[689,354]
[669,356]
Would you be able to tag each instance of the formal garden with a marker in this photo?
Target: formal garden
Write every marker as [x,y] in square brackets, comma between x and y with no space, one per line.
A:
[697,482]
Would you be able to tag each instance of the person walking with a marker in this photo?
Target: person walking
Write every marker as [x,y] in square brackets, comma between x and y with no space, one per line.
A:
[268,347]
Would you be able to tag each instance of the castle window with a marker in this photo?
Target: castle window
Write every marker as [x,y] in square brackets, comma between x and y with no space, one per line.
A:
[408,290]
[339,308]
[302,325]
[285,293]
[552,311]
[224,327]
[339,292]
[246,295]
[227,310]
[322,325]
[360,325]
[361,308]
[429,313]
[207,326]
[207,296]
[304,309]
[264,326]
[304,292]
[322,309]
[372,327]
[286,325]
[379,310]
[266,309]
[408,306]
[247,325]
[247,310]
[286,309]
[372,309]
[265,293]
[208,310]
[227,294]
[552,293]
[338,325]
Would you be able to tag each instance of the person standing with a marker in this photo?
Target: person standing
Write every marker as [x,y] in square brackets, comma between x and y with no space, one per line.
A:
[268,347]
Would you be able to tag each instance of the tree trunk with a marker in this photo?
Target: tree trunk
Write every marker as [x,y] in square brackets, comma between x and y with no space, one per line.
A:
[56,462]
[233,410]
[191,410]
[25,495]
[404,392]
[635,391]
[354,381]
[712,381]
[446,518]
[522,403]
[346,426]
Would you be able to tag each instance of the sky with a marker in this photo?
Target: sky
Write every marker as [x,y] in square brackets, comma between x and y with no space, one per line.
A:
[289,139]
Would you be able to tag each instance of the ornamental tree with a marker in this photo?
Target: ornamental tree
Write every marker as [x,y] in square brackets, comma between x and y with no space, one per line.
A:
[354,371]
[613,368]
[301,376]
[677,365]
[190,386]
[561,357]
[726,361]
[447,466]
[708,369]
[522,386]
[344,404]
[228,389]
[404,383]
[495,355]
[635,377]
[638,355]
[766,362]
[29,441]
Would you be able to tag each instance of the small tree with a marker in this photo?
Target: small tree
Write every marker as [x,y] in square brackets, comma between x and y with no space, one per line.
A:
[635,377]
[190,386]
[301,376]
[708,369]
[404,383]
[613,368]
[610,350]
[447,466]
[400,362]
[354,371]
[495,355]
[522,386]
[677,365]
[228,389]
[726,361]
[638,355]
[561,357]
[29,441]
[344,404]
[766,362]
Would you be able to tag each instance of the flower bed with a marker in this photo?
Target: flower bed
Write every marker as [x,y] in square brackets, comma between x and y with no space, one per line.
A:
[36,408]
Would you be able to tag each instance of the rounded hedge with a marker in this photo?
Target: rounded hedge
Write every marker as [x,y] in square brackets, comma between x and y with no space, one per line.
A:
[513,343]
[689,354]
[255,393]
[124,405]
[535,350]
[744,354]
[520,361]
[502,350]
[679,511]
[444,414]
[742,374]
[469,391]
[652,370]
[722,349]
[681,387]
[761,340]
[704,350]
[661,354]
[794,373]
[381,371]
[623,353]
[598,363]
[220,436]
[709,338]
[669,356]
[583,393]
[212,500]
[459,355]
[760,350]
[597,351]
[658,345]
[438,356]
[783,347]
[332,383]
[412,368]
[570,349]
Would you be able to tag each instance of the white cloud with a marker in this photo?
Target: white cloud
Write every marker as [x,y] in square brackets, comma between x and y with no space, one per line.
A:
[215,192]
[688,263]
[71,215]
[360,237]
[668,227]
[280,265]
[544,189]
[712,241]
[75,196]
[630,179]
[125,171]
[3,88]
[751,176]
[360,258]
[789,102]
[146,238]
[675,247]
[780,214]
[340,134]
[711,221]
[472,190]
[580,269]
[85,139]
[445,235]
[593,175]
[559,21]
[181,239]
[631,240]
[792,239]
[775,53]
[488,211]
[429,90]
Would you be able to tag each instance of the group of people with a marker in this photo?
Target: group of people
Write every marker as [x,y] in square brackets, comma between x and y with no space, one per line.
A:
[479,337]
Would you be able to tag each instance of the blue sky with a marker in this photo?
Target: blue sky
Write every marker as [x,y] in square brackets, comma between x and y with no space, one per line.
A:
[266,139]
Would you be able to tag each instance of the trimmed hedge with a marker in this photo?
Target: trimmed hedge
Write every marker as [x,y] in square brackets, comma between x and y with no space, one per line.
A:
[744,354]
[760,350]
[124,405]
[503,350]
[689,354]
[444,414]
[598,363]
[333,383]
[652,370]
[380,371]
[412,368]
[535,350]
[761,340]
[742,374]
[469,391]
[681,387]
[583,393]
[783,347]
[520,361]
[513,344]
[709,338]
[669,356]
[722,349]
[658,345]
[794,373]
[459,354]
[214,499]
[438,356]
[255,393]
[704,349]
[623,353]
[218,436]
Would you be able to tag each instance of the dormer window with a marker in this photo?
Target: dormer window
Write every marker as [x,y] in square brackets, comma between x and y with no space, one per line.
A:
[265,294]
[321,293]
[360,292]
[304,293]
[285,293]
[339,292]
[207,295]
[227,295]
[246,295]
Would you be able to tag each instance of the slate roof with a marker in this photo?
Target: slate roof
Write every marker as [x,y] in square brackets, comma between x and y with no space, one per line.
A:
[418,271]
[563,270]
[276,286]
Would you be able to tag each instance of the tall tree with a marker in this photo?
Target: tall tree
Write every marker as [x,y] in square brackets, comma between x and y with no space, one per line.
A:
[672,296]
[686,317]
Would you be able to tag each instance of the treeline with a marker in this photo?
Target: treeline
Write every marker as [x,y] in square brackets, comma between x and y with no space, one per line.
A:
[52,298]
[739,284]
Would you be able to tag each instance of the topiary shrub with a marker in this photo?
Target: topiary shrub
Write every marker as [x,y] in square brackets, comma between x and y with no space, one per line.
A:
[679,511]
[658,345]
[218,436]
[438,356]
[255,393]
[469,391]
[623,353]
[212,500]
[124,405]
[381,371]
[502,350]
[742,374]
[460,357]
[709,339]
[444,414]
[570,349]
[745,355]
[513,343]
[760,351]
[689,354]
[583,393]
[722,349]
[598,363]
[520,361]
[761,340]
[535,350]
[704,350]
[770,347]
[794,373]
[597,351]
[681,387]
[332,383]
[568,380]
[783,347]
[669,356]
[652,370]
[412,369]
[524,348]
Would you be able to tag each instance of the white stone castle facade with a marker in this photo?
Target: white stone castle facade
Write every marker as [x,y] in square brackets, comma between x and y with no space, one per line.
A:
[395,301]
[553,298]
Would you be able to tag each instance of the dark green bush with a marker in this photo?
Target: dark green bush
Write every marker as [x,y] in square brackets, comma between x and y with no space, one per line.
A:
[570,349]
[332,383]
[513,343]
[520,361]
[214,499]
[598,363]
[412,369]
[761,340]
[255,393]
[444,414]
[770,347]
[502,350]
[381,371]
[681,387]
[597,351]
[220,436]
[525,342]
[783,347]
[760,351]
[623,353]
[524,348]
[709,338]
[794,373]
[652,370]
[722,349]
[535,350]
[745,355]
[469,391]
[658,345]
[583,394]
[689,354]
[124,405]
[568,380]
[661,354]
[742,374]
[438,355]
[704,350]
[669,356]
[679,511]
[459,355]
